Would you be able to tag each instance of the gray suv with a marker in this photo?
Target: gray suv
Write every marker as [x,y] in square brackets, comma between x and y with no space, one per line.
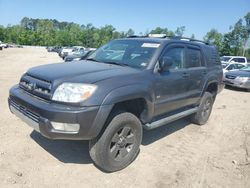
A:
[125,86]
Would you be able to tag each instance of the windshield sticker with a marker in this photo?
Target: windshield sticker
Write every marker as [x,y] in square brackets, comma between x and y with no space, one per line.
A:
[150,45]
[143,64]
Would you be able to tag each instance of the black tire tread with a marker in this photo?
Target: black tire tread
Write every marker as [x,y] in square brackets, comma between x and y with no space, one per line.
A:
[97,145]
[197,117]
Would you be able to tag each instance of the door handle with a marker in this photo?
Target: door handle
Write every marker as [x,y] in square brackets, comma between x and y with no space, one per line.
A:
[185,75]
[204,72]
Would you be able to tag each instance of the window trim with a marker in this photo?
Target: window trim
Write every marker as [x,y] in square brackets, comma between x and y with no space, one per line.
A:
[202,62]
[170,46]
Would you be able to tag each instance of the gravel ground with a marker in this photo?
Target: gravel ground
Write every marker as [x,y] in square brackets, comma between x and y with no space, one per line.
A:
[176,155]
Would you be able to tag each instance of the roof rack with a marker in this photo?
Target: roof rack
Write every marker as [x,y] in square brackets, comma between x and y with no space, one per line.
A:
[157,35]
[189,39]
[167,36]
[136,36]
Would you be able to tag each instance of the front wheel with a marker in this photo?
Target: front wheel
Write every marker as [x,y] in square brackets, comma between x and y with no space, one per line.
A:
[119,144]
[204,111]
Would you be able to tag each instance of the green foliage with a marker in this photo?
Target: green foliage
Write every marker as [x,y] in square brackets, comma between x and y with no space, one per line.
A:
[47,32]
[50,32]
[160,30]
[236,41]
[192,36]
[214,37]
[180,31]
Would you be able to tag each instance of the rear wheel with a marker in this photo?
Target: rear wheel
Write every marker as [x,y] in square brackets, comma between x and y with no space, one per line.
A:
[205,108]
[119,144]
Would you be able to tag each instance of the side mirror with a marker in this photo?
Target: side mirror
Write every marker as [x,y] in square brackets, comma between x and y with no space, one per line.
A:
[165,63]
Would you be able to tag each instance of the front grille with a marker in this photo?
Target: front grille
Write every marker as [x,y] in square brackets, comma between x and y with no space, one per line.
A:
[36,86]
[24,111]
[230,77]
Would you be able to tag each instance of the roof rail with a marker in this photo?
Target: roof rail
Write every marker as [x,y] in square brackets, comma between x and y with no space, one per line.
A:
[189,39]
[136,36]
[157,35]
[170,37]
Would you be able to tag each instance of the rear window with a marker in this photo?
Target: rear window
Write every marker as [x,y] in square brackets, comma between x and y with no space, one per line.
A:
[193,58]
[212,56]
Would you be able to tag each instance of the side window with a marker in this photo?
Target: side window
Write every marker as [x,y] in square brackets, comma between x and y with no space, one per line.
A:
[177,56]
[239,66]
[231,67]
[234,60]
[193,58]
[241,60]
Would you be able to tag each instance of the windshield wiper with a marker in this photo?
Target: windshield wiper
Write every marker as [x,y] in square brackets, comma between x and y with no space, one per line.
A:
[108,62]
[115,63]
[92,59]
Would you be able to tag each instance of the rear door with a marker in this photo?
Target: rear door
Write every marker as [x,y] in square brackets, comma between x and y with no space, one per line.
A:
[197,71]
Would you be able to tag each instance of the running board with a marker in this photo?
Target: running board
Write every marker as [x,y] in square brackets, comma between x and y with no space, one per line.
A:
[169,119]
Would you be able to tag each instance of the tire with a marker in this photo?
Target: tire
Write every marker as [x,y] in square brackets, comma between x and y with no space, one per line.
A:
[204,111]
[119,143]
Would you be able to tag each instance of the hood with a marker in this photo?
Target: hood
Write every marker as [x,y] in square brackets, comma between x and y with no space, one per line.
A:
[83,72]
[239,73]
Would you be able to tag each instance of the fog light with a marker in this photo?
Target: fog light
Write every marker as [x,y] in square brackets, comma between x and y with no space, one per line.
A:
[65,127]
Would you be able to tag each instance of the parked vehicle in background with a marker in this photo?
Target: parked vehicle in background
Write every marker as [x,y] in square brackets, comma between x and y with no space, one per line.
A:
[70,51]
[109,98]
[14,46]
[53,49]
[78,56]
[76,50]
[233,59]
[233,66]
[3,45]
[49,48]
[239,78]
[64,52]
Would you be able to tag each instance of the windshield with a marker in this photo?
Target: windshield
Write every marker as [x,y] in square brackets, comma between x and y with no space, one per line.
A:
[224,65]
[247,68]
[126,52]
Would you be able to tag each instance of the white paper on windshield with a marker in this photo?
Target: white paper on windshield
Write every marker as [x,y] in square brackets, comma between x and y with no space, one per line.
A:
[150,45]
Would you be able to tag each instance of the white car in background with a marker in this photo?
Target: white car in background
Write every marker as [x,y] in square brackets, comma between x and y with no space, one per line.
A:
[233,59]
[3,45]
[64,52]
[70,50]
[232,67]
[77,50]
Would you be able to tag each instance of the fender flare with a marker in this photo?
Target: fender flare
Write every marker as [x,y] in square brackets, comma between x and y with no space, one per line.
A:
[130,92]
[124,93]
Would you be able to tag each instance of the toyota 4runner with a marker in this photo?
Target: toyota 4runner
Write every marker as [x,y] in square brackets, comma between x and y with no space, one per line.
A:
[124,86]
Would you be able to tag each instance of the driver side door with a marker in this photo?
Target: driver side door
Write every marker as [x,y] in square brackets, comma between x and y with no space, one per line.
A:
[171,85]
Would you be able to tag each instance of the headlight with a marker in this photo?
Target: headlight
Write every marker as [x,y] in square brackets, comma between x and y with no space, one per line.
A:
[73,92]
[77,59]
[243,78]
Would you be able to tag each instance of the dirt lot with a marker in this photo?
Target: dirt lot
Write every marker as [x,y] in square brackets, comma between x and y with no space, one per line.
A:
[177,155]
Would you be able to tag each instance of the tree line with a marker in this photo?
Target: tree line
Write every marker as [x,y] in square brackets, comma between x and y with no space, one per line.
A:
[51,32]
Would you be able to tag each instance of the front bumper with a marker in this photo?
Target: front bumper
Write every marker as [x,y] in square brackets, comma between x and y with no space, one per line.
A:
[39,114]
[237,83]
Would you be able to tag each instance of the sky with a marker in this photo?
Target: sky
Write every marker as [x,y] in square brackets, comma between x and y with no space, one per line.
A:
[198,16]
